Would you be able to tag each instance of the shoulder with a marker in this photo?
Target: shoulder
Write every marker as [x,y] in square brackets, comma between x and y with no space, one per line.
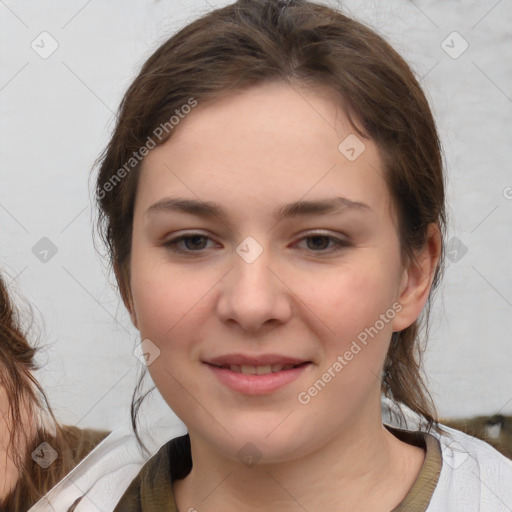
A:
[56,453]
[151,490]
[104,474]
[153,479]
[79,442]
[473,474]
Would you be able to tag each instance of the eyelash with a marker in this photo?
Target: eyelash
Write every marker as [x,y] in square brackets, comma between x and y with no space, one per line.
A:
[173,243]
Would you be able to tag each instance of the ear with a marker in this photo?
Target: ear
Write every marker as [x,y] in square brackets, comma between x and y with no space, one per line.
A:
[417,280]
[123,282]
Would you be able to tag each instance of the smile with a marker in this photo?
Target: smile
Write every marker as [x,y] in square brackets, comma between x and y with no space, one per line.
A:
[257,380]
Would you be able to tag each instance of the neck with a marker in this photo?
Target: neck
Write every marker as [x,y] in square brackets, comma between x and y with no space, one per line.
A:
[363,467]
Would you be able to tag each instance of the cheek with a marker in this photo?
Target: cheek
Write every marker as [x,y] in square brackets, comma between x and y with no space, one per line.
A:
[350,299]
[173,306]
[162,303]
[355,306]
[172,311]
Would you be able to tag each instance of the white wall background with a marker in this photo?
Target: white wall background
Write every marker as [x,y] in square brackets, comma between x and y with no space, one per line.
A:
[55,118]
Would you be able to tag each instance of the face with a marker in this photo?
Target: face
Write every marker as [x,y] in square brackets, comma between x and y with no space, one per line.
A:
[258,246]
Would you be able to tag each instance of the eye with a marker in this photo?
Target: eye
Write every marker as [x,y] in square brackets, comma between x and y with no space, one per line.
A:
[188,243]
[319,242]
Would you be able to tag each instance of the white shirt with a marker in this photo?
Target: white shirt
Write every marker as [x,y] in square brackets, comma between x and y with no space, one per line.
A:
[474,477]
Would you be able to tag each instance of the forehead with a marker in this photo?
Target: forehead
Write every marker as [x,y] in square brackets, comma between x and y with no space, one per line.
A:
[263,143]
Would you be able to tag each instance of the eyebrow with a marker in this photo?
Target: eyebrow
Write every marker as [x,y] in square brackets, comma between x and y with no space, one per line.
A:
[207,209]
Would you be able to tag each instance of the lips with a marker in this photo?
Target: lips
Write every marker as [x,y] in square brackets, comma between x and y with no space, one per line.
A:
[256,375]
[257,380]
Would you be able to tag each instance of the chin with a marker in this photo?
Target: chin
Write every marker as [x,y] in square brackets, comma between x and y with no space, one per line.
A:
[254,441]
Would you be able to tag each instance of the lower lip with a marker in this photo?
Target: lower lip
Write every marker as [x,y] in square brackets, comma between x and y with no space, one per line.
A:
[257,384]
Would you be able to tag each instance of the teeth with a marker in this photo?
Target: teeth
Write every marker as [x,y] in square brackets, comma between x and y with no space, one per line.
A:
[260,370]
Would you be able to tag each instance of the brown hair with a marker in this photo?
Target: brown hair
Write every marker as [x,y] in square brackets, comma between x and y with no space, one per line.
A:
[302,43]
[26,401]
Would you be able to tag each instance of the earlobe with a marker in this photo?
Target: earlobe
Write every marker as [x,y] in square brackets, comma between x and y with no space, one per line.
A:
[417,279]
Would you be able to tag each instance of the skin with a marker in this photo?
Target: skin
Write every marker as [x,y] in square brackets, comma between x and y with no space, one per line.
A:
[251,152]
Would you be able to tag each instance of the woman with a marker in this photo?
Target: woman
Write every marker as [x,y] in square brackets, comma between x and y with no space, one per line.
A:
[35,451]
[273,201]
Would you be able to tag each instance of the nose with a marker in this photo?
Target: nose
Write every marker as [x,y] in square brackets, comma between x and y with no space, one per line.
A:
[253,294]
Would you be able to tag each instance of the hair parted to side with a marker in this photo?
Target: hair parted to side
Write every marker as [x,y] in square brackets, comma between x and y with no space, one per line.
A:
[306,45]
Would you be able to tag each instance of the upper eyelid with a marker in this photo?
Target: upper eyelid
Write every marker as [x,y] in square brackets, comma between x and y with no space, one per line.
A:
[187,234]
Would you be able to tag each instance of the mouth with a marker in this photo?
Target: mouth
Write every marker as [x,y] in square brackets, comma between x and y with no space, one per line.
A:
[257,375]
[259,370]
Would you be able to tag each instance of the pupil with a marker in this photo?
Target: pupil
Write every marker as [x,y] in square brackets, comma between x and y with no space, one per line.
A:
[320,245]
[192,242]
